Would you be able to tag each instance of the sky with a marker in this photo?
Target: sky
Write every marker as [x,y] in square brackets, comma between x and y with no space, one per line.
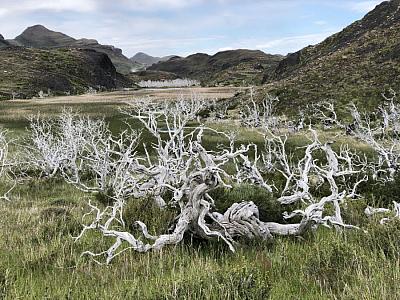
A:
[183,27]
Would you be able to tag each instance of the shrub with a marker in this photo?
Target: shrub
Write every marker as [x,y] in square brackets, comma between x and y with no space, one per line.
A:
[57,221]
[270,210]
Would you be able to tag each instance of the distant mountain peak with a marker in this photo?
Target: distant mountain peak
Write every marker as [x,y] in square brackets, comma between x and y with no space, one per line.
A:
[42,30]
[39,36]
[148,60]
[38,27]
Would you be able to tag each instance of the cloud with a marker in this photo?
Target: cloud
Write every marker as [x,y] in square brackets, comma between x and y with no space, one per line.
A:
[150,5]
[293,43]
[225,49]
[26,6]
[364,6]
[155,44]
[186,26]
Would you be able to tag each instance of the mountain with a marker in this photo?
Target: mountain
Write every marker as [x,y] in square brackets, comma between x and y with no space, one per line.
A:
[39,36]
[356,64]
[3,42]
[26,71]
[233,67]
[148,60]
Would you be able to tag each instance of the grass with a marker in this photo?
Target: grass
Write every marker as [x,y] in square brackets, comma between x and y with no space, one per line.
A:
[40,260]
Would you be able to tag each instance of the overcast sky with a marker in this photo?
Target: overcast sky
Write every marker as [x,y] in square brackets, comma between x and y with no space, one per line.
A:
[182,27]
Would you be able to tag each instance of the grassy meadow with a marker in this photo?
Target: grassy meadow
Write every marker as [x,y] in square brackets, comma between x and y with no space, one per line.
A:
[40,260]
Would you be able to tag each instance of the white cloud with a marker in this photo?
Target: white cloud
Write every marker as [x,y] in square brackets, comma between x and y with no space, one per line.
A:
[24,6]
[293,43]
[225,49]
[183,26]
[152,5]
[139,44]
[364,6]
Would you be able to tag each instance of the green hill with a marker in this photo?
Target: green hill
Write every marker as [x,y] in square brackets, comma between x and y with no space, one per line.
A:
[234,67]
[26,71]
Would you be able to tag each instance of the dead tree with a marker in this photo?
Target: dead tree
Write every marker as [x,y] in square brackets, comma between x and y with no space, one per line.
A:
[179,162]
[309,171]
[85,154]
[326,113]
[6,164]
[386,146]
[378,129]
[53,144]
[260,115]
[370,211]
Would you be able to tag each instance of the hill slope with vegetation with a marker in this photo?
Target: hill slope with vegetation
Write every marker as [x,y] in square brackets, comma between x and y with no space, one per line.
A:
[233,67]
[356,64]
[27,71]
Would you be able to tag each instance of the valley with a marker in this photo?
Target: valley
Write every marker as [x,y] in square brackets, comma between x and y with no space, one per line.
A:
[213,168]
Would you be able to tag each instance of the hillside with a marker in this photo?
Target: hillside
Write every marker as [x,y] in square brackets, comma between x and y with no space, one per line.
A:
[26,71]
[234,67]
[147,60]
[39,36]
[356,64]
[3,42]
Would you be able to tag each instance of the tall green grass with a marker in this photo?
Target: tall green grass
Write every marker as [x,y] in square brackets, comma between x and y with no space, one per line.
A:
[39,259]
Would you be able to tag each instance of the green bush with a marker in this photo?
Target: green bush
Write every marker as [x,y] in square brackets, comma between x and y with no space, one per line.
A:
[145,210]
[270,210]
[382,194]
[57,221]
